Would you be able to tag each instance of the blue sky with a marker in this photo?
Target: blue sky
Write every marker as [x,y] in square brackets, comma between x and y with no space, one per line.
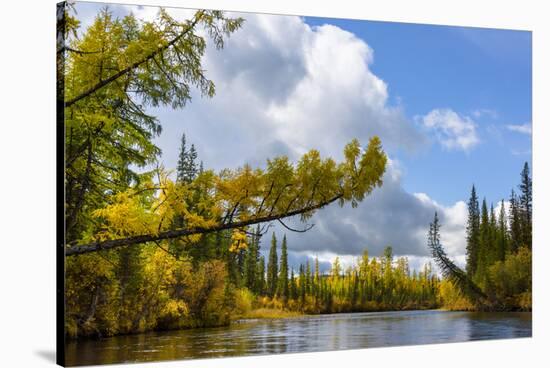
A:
[467,70]
[451,105]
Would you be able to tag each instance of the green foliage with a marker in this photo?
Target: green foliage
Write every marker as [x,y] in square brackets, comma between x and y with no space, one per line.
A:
[472,231]
[282,287]
[272,268]
[525,202]
[498,269]
[510,280]
[451,298]
[187,168]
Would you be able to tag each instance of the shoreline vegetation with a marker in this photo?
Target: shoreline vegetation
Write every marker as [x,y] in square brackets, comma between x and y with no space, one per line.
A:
[150,249]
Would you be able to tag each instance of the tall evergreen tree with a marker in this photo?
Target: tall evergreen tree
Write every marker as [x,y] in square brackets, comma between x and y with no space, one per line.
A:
[316,278]
[192,169]
[302,284]
[308,277]
[317,272]
[201,167]
[283,272]
[272,268]
[502,233]
[525,205]
[472,234]
[493,234]
[181,168]
[260,279]
[186,168]
[251,262]
[515,223]
[293,291]
[484,242]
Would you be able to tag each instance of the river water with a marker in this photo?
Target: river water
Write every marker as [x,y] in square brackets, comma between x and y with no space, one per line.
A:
[303,334]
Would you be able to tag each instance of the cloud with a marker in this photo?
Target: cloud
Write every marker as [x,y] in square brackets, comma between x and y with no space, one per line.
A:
[452,130]
[523,128]
[284,87]
[478,113]
[526,152]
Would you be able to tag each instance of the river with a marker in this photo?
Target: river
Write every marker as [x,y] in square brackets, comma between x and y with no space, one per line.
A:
[303,334]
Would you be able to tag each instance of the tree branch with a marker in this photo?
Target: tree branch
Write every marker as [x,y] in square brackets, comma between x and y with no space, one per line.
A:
[307,228]
[136,64]
[171,234]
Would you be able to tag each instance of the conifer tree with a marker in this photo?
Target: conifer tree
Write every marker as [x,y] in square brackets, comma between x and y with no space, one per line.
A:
[302,285]
[182,160]
[502,237]
[292,289]
[317,272]
[493,231]
[283,272]
[515,223]
[472,234]
[272,268]
[525,205]
[316,278]
[484,242]
[308,277]
[251,262]
[260,280]
[192,169]
[187,169]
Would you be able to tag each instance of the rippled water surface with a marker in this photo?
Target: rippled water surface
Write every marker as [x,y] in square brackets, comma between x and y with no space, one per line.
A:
[303,334]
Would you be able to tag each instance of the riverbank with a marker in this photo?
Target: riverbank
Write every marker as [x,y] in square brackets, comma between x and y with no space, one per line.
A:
[270,313]
[325,332]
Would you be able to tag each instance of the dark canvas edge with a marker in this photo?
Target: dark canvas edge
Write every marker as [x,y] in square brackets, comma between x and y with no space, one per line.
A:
[59,188]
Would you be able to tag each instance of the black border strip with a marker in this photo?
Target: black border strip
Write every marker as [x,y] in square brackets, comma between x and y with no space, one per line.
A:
[60,186]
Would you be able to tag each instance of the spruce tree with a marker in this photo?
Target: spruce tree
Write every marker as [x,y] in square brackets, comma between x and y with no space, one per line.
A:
[515,223]
[484,242]
[302,286]
[260,280]
[293,292]
[308,277]
[251,262]
[201,167]
[283,272]
[316,278]
[186,169]
[272,268]
[525,205]
[472,234]
[182,160]
[502,237]
[317,273]
[192,167]
[493,235]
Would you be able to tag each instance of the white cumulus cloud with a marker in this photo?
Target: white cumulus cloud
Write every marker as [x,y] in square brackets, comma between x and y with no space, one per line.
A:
[452,130]
[522,128]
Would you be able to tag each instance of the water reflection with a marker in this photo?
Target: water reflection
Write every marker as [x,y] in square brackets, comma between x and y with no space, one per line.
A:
[305,334]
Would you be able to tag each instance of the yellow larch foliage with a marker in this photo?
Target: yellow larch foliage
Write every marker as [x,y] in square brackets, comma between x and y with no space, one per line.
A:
[238,241]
